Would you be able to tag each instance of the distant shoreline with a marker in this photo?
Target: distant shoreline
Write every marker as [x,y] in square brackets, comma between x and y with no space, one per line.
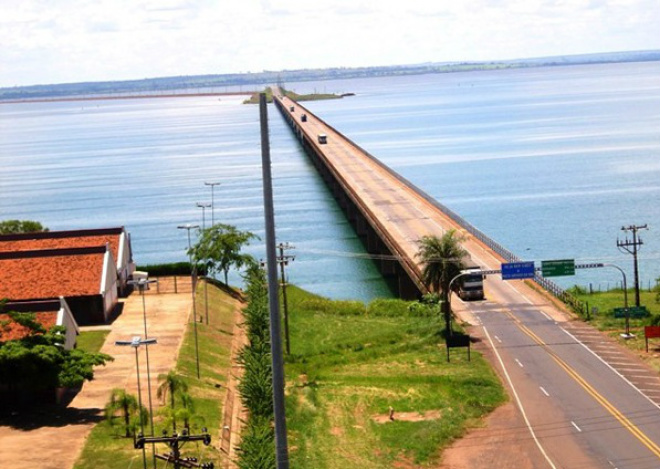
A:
[115,97]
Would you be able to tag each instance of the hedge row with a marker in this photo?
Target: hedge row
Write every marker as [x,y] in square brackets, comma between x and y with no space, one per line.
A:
[257,450]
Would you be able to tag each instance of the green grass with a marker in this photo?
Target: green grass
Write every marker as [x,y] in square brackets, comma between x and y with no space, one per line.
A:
[106,448]
[346,369]
[91,341]
[605,321]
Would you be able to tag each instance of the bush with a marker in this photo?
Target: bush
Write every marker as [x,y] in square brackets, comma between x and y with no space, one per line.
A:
[390,307]
[339,307]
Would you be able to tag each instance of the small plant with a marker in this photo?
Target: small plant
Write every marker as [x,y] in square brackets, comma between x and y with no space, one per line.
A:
[127,404]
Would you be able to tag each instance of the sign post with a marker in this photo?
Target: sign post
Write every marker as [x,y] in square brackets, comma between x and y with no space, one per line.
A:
[558,268]
[517,270]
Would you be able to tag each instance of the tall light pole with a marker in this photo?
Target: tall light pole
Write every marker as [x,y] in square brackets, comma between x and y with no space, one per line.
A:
[142,284]
[206,289]
[193,277]
[204,207]
[135,343]
[212,184]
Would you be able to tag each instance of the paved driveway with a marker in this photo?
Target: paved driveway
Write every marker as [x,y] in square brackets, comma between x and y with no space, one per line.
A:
[54,440]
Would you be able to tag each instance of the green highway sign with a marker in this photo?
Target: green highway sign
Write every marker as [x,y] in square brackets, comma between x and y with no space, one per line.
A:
[633,312]
[558,268]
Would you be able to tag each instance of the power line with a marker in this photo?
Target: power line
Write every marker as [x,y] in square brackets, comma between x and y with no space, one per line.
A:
[631,247]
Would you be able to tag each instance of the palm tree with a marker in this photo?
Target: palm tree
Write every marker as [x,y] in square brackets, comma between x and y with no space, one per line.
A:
[127,403]
[443,260]
[171,384]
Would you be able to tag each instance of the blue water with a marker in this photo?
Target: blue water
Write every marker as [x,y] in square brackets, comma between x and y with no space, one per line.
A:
[549,162]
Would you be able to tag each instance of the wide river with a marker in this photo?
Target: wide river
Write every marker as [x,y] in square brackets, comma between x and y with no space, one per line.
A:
[550,162]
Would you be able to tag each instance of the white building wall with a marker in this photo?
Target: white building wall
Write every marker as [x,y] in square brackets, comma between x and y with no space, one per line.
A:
[65,318]
[109,284]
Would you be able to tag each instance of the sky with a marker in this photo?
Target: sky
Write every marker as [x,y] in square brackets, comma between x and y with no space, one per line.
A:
[64,41]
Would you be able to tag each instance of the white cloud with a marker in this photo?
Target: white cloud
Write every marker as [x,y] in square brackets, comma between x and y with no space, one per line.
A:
[78,40]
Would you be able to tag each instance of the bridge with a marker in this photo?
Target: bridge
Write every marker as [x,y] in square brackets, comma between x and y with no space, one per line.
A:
[388,212]
[585,400]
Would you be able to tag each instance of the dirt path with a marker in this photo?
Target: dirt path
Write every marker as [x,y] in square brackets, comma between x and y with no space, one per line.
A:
[234,414]
[54,440]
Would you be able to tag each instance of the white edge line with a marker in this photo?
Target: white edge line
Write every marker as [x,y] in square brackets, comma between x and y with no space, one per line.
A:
[546,315]
[520,406]
[611,368]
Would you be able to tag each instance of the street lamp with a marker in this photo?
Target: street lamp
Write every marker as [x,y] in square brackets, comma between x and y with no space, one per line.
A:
[627,334]
[143,284]
[135,342]
[206,290]
[212,184]
[193,276]
[451,282]
[204,207]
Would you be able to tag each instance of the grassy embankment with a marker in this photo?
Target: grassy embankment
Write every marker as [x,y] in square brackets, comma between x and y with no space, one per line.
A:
[254,99]
[605,321]
[349,365]
[107,448]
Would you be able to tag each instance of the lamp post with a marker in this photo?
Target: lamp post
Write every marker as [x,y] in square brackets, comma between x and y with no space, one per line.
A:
[451,282]
[143,284]
[627,334]
[135,343]
[212,184]
[206,290]
[193,275]
[204,207]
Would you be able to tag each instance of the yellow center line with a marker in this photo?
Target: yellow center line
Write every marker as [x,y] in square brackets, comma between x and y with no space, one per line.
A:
[616,413]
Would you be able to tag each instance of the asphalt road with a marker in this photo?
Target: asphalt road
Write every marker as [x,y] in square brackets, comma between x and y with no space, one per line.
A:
[586,401]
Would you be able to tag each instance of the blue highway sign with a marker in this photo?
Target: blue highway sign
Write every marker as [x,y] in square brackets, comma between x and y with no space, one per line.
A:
[517,270]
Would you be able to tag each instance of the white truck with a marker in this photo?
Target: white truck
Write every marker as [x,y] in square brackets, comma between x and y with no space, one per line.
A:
[471,285]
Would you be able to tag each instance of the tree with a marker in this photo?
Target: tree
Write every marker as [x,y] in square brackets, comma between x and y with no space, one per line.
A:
[443,260]
[38,361]
[20,226]
[171,384]
[219,248]
[122,401]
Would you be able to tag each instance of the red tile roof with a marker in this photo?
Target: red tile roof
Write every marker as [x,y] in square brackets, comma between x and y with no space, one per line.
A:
[10,330]
[62,240]
[51,273]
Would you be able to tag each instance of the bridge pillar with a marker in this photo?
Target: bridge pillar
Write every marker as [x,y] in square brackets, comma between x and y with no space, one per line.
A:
[407,288]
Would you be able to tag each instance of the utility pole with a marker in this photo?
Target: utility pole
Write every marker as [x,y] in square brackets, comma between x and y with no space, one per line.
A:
[632,247]
[283,261]
[175,442]
[281,445]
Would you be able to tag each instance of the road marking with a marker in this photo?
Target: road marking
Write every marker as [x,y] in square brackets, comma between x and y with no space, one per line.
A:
[544,391]
[519,364]
[576,427]
[546,315]
[616,413]
[498,339]
[628,364]
[520,406]
[612,464]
